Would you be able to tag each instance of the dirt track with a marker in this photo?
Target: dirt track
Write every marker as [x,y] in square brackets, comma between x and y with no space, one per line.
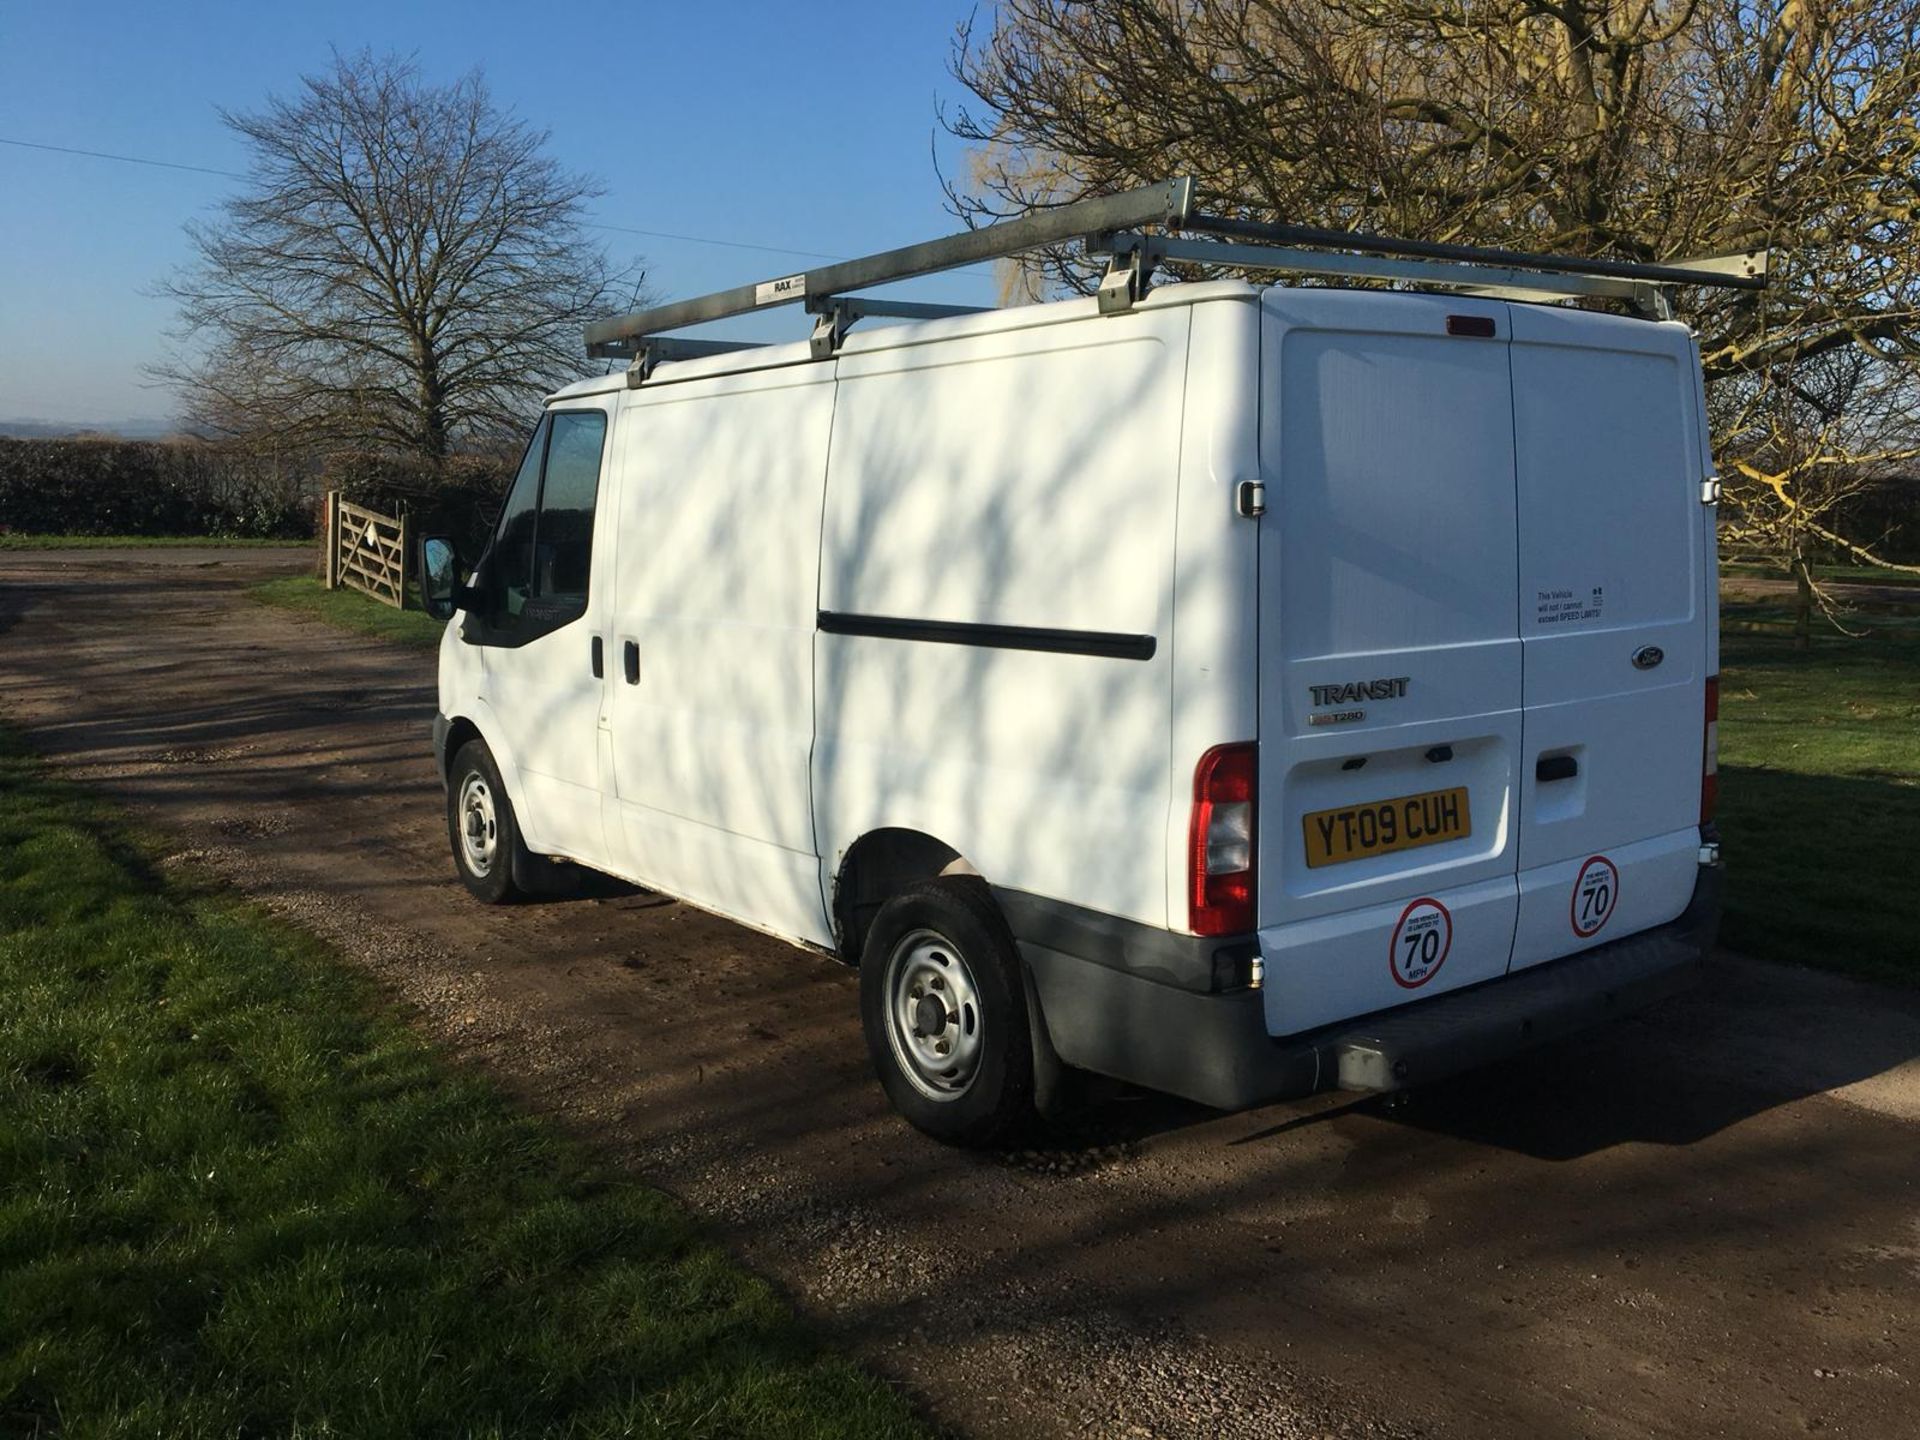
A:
[1704,1222]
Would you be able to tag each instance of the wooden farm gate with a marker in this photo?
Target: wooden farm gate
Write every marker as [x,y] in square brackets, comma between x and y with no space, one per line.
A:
[367,551]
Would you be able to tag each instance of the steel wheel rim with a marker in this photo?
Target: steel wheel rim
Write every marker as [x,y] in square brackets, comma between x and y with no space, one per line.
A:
[935,1024]
[479,825]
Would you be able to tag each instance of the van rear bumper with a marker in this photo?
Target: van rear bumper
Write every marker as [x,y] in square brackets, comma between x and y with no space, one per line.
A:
[1101,1013]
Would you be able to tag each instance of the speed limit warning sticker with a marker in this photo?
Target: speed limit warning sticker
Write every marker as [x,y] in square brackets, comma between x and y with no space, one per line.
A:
[1596,890]
[1420,943]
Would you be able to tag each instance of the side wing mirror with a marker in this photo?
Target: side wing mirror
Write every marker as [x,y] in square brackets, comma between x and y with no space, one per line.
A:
[442,587]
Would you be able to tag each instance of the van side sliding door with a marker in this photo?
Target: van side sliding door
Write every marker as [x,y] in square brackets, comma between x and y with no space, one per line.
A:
[710,640]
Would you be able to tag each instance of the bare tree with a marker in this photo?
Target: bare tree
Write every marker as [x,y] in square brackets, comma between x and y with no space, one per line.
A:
[1637,129]
[1805,444]
[405,269]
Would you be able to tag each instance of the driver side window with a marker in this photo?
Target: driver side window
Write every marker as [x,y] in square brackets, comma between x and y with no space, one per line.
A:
[509,563]
[533,579]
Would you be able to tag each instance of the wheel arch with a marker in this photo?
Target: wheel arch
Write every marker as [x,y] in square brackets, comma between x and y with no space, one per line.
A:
[476,722]
[459,731]
[879,864]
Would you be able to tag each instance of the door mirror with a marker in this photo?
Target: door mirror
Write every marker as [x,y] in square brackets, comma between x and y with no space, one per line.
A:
[440,587]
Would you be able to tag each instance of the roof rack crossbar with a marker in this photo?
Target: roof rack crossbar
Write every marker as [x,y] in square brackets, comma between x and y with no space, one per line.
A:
[1168,204]
[1746,271]
[673,347]
[859,307]
[1453,275]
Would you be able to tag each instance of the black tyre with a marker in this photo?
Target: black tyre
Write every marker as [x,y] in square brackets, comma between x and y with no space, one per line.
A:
[945,1012]
[481,827]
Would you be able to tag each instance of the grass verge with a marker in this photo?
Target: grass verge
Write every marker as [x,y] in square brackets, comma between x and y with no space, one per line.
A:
[1820,792]
[350,610]
[10,541]
[1741,569]
[240,1197]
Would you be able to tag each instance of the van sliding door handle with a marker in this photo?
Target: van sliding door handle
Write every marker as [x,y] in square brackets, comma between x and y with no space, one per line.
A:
[630,661]
[599,658]
[1555,767]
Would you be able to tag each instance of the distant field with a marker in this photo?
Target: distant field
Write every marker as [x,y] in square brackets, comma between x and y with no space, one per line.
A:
[350,610]
[1842,574]
[239,1198]
[1820,790]
[9,541]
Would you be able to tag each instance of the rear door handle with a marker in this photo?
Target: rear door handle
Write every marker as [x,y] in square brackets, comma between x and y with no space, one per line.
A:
[1555,767]
[630,661]
[599,658]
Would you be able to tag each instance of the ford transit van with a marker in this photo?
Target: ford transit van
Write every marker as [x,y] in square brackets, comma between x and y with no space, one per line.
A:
[1239,691]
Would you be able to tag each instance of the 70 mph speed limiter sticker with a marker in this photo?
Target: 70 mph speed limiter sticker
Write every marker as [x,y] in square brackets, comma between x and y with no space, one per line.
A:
[1420,943]
[1596,890]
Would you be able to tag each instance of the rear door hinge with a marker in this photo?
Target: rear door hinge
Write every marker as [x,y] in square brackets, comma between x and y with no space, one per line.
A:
[1710,490]
[1250,499]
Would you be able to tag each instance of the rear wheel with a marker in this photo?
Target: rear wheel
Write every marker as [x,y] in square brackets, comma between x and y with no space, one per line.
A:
[481,827]
[945,1013]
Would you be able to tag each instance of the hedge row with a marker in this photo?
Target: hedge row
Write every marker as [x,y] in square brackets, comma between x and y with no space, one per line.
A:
[145,487]
[460,497]
[1887,518]
[183,487]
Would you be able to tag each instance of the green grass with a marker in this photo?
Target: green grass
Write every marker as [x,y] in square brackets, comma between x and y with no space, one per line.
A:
[10,541]
[239,1197]
[1848,574]
[1820,792]
[350,610]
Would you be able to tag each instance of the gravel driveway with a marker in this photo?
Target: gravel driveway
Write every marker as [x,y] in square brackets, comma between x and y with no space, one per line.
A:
[1702,1222]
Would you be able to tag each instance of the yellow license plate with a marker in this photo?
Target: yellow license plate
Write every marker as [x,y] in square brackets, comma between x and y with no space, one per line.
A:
[1379,827]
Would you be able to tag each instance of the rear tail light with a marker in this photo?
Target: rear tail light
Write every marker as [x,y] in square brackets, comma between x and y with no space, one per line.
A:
[1710,754]
[1220,846]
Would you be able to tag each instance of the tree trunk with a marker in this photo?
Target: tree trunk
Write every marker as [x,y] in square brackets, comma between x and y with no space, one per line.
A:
[1802,599]
[431,432]
[431,400]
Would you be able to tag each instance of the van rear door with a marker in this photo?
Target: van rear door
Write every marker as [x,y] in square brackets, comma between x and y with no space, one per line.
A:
[1612,548]
[1390,676]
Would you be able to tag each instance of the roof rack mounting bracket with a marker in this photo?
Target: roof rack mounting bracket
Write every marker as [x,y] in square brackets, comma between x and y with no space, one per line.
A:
[1654,302]
[651,350]
[830,326]
[834,315]
[1129,276]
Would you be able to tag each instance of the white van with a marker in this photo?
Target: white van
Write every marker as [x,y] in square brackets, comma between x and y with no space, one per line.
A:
[1235,691]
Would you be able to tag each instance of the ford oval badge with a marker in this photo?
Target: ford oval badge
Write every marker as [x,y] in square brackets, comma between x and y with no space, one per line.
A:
[1648,656]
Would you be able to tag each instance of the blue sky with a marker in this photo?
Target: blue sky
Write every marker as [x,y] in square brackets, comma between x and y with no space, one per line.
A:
[805,125]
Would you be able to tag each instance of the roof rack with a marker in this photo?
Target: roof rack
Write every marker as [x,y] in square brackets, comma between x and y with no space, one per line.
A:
[1117,226]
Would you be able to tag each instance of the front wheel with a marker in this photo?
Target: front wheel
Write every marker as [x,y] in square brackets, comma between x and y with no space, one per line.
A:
[481,826]
[945,1012]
